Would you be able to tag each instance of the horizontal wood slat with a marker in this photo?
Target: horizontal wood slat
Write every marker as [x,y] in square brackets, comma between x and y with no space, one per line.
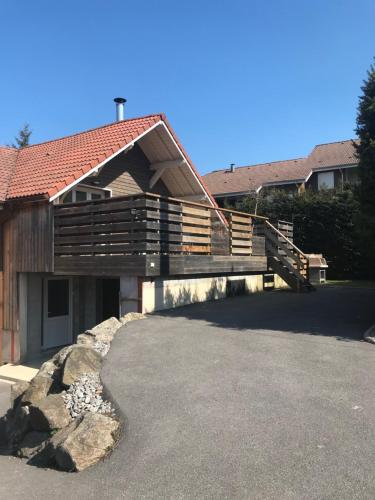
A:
[196,221]
[241,243]
[196,211]
[240,219]
[145,224]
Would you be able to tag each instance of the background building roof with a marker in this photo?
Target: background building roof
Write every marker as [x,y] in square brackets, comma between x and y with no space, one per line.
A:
[253,177]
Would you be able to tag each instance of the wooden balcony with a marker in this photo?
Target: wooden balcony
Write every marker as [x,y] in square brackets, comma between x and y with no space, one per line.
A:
[149,235]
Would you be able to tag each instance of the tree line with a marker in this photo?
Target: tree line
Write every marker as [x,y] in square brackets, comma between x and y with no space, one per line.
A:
[338,223]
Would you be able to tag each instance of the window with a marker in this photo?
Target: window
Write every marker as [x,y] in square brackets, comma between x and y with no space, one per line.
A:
[83,194]
[326,180]
[58,298]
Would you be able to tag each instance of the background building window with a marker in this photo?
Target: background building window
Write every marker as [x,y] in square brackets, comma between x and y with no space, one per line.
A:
[326,180]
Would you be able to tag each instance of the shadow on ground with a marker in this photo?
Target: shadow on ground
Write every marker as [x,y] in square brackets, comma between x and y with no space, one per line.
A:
[342,313]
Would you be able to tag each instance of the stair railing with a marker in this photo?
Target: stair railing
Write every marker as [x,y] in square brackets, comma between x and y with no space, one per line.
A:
[299,264]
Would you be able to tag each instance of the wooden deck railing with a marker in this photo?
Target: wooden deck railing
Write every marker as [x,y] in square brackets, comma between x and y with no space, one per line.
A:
[150,224]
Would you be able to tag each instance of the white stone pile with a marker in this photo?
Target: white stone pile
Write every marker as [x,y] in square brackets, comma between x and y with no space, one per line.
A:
[85,395]
[101,347]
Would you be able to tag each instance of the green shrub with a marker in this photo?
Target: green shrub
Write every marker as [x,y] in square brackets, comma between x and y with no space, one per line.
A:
[324,222]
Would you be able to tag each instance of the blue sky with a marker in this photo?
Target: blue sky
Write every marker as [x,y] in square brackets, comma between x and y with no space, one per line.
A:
[240,81]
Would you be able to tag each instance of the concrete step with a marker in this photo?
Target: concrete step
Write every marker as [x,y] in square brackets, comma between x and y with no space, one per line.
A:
[16,373]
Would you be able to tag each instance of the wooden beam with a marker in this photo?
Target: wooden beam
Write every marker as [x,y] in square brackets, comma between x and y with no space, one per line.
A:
[167,164]
[156,176]
[160,167]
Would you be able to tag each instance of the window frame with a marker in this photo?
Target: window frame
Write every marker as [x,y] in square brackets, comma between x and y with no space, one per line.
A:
[90,190]
[324,185]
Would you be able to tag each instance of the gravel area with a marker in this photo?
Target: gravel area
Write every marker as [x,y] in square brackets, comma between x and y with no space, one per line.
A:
[86,395]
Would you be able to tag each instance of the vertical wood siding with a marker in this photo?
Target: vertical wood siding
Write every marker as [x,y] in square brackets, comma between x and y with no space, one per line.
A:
[26,242]
[33,227]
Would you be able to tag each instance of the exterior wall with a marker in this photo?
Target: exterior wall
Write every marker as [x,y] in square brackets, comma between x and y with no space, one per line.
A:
[129,294]
[128,173]
[10,344]
[31,311]
[88,309]
[33,321]
[154,295]
[345,176]
[25,245]
[162,293]
[279,282]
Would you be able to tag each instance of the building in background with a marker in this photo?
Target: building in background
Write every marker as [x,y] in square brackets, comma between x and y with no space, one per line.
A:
[328,166]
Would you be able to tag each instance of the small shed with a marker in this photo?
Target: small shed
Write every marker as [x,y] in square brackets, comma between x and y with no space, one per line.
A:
[317,268]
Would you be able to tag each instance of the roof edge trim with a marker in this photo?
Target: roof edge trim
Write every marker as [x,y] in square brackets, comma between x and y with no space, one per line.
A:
[101,164]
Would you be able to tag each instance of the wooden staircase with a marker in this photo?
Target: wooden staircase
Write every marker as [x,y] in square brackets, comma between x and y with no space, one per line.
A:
[286,260]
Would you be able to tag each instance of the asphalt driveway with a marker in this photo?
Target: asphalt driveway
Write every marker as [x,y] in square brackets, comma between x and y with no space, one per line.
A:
[264,397]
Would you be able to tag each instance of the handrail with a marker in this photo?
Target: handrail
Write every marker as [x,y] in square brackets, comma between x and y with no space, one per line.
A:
[288,251]
[165,198]
[228,210]
[286,239]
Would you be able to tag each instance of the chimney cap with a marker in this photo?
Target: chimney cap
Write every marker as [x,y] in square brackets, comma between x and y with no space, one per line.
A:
[119,100]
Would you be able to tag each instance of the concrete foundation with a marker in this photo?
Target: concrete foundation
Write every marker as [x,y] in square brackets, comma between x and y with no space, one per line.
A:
[135,295]
[159,294]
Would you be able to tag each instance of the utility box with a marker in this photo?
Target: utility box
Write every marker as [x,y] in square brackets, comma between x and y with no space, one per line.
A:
[317,268]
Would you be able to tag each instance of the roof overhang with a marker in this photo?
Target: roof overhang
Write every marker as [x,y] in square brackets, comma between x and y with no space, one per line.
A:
[232,194]
[280,183]
[331,167]
[159,145]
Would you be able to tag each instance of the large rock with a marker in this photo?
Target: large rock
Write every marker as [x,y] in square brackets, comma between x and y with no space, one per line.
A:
[86,339]
[46,454]
[17,425]
[38,389]
[49,414]
[59,358]
[48,368]
[132,316]
[16,392]
[32,444]
[106,330]
[81,359]
[91,441]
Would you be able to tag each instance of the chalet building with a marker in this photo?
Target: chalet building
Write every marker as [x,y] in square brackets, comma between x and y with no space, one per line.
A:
[328,166]
[117,219]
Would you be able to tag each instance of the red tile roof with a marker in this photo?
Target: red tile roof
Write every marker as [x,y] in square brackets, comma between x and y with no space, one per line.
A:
[8,158]
[251,178]
[49,167]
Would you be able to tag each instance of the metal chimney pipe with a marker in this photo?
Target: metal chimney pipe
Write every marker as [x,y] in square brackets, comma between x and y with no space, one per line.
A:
[232,167]
[120,101]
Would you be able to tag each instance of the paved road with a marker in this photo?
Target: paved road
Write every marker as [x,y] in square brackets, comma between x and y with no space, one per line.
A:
[263,397]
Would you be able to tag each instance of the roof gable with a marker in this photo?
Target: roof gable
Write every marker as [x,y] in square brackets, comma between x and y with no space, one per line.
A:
[334,154]
[49,167]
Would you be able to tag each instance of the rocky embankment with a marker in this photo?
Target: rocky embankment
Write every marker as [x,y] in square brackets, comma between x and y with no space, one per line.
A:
[61,419]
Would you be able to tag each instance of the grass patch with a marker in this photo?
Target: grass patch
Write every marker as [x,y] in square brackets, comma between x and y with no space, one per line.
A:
[352,283]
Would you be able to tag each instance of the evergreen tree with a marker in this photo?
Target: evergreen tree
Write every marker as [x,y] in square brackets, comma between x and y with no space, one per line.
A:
[23,137]
[365,151]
